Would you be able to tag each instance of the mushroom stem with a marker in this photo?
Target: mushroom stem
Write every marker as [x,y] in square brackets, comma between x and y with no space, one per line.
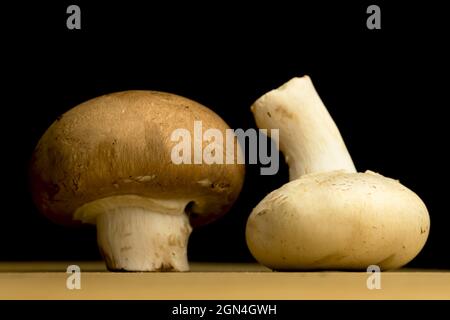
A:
[309,138]
[136,239]
[137,233]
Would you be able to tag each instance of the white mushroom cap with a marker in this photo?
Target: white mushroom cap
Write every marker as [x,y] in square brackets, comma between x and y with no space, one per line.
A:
[338,220]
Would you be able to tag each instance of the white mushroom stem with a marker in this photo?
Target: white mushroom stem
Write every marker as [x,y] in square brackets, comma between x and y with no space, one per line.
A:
[140,234]
[135,239]
[309,138]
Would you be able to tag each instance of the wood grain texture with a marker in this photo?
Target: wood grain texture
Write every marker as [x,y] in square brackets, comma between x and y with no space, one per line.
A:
[47,280]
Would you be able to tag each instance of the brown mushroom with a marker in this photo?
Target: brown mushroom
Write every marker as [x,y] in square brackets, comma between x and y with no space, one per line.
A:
[108,162]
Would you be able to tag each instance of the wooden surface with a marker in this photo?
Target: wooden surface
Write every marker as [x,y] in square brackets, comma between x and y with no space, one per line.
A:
[47,280]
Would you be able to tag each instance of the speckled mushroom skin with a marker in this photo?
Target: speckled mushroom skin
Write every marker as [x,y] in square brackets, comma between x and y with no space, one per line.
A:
[338,220]
[119,144]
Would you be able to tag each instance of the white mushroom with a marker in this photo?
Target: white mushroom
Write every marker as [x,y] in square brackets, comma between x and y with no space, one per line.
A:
[328,216]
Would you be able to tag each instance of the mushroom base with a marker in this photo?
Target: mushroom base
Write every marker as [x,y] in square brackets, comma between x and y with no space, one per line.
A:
[136,239]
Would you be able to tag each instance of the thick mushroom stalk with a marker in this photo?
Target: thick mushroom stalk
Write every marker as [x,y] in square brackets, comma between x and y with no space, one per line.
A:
[309,138]
[140,234]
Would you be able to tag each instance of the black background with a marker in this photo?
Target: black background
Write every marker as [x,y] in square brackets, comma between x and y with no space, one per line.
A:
[384,88]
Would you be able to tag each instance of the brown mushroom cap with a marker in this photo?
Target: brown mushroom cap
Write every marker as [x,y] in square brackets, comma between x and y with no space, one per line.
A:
[120,144]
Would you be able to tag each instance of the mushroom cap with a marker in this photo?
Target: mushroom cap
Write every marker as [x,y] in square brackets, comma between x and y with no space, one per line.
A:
[338,220]
[120,144]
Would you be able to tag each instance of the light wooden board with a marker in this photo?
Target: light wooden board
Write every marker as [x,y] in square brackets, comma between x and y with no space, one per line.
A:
[47,280]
